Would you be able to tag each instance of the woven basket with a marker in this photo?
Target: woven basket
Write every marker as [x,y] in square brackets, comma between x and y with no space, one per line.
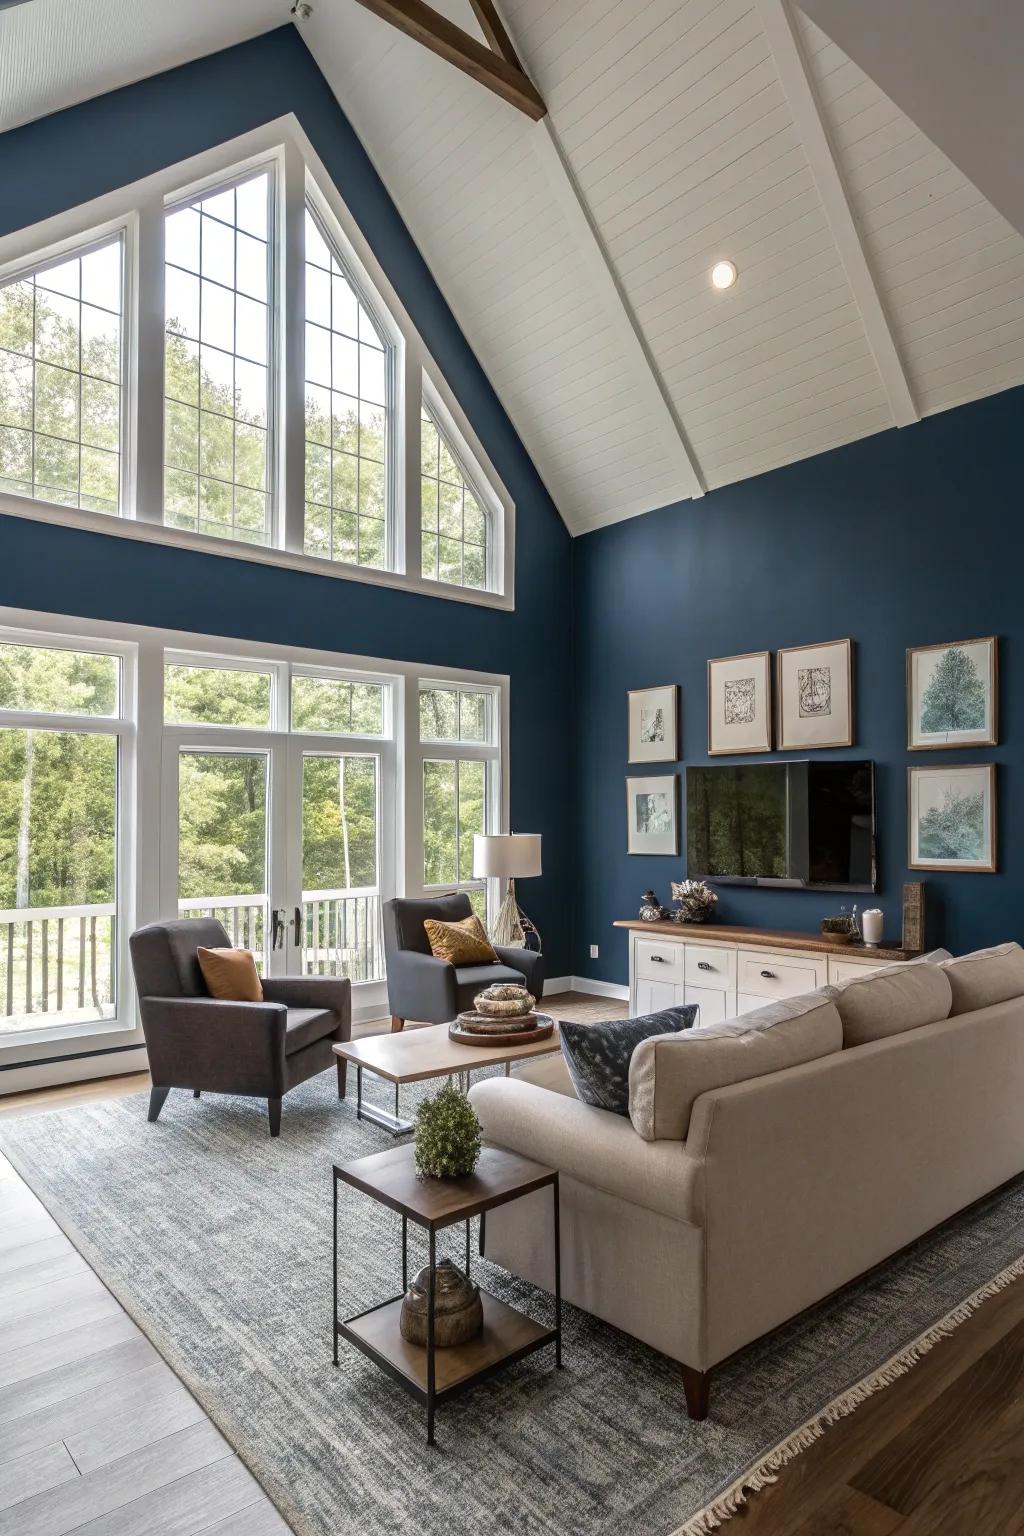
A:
[504,1008]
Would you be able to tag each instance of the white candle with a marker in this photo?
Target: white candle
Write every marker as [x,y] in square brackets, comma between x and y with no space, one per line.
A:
[871,926]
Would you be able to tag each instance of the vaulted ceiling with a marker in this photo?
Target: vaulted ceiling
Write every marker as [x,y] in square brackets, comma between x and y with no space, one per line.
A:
[876,283]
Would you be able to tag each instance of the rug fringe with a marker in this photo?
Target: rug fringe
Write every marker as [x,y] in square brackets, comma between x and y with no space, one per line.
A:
[766,1471]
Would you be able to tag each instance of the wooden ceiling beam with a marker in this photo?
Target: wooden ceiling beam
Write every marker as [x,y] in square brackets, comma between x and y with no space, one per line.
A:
[497,67]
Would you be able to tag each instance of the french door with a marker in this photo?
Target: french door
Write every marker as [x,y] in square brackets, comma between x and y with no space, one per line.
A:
[280,837]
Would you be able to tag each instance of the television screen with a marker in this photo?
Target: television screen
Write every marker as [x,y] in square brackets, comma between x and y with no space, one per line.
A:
[796,823]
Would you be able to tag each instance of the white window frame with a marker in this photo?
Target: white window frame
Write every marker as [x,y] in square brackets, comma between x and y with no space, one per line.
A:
[138,210]
[146,891]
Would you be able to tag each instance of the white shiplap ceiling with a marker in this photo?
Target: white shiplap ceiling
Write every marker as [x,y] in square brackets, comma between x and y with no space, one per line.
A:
[876,283]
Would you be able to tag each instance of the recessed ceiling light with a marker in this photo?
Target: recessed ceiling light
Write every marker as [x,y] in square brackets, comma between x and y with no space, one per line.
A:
[723,274]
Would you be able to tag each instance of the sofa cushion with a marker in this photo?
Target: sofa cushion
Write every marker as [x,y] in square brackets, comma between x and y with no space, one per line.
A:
[598,1055]
[986,977]
[667,1076]
[230,974]
[461,943]
[304,1026]
[890,1001]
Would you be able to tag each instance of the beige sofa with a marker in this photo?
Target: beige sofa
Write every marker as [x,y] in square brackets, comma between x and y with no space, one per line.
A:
[769,1161]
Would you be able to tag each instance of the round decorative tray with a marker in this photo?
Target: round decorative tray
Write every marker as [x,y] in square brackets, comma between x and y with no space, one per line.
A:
[481,1031]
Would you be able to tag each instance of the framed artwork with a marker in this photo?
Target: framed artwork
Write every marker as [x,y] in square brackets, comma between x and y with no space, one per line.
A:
[952,695]
[740,704]
[652,815]
[816,696]
[653,724]
[952,818]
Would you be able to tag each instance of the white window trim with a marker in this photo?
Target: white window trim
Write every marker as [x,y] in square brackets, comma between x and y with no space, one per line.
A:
[138,209]
[142,883]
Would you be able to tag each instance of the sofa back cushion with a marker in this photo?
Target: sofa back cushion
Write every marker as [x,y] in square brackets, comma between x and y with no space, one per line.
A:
[888,1002]
[667,1076]
[598,1055]
[986,977]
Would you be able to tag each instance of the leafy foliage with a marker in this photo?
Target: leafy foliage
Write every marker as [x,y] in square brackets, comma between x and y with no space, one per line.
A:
[448,1135]
[955,829]
[954,699]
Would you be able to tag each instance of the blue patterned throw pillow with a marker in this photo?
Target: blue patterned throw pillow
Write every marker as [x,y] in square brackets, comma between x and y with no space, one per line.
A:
[598,1055]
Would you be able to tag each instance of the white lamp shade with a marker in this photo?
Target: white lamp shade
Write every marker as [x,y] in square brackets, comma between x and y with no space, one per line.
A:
[506,855]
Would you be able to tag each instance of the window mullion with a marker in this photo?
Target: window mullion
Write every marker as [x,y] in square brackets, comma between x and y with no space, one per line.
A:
[147,351]
[408,556]
[290,314]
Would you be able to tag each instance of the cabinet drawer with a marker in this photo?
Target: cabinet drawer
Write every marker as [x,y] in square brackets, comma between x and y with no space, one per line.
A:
[849,970]
[706,966]
[766,975]
[715,1006]
[653,996]
[659,961]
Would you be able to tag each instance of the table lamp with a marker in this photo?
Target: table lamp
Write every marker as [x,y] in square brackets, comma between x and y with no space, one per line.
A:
[509,856]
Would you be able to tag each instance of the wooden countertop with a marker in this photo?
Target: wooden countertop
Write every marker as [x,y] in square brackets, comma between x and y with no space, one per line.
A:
[768,938]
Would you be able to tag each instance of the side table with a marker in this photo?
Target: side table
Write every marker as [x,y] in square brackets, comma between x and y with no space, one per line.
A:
[432,1375]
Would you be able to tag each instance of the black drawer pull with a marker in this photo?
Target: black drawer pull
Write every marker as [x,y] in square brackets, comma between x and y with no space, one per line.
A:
[769,976]
[702,965]
[660,959]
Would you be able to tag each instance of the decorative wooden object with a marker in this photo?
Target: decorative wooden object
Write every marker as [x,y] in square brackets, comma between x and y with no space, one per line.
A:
[494,63]
[913,915]
[539,1026]
[458,1313]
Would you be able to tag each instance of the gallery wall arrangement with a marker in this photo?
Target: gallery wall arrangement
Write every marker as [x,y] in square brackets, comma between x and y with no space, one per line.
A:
[743,592]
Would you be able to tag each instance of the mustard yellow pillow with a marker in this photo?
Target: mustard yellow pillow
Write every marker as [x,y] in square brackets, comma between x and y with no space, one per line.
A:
[461,943]
[231,975]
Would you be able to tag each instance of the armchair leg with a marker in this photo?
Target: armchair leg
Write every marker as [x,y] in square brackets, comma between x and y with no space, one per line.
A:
[697,1386]
[157,1100]
[342,1076]
[274,1111]
[397,1024]
[195,1093]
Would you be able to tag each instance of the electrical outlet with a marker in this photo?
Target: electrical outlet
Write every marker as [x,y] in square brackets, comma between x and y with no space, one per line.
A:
[593,951]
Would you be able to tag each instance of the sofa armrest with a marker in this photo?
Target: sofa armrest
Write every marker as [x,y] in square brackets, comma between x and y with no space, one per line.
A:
[421,987]
[592,1146]
[205,1042]
[333,993]
[527,961]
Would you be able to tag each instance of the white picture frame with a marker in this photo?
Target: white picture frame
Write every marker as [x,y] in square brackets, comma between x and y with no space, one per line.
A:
[653,724]
[740,704]
[652,814]
[815,690]
[951,817]
[953,695]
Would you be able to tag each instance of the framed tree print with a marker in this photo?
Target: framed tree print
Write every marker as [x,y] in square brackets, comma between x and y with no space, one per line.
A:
[952,817]
[740,704]
[816,696]
[652,815]
[952,695]
[653,724]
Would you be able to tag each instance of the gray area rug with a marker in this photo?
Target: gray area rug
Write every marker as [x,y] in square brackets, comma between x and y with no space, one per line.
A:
[217,1240]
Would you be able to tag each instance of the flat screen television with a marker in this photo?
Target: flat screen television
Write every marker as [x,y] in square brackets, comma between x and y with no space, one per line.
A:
[798,824]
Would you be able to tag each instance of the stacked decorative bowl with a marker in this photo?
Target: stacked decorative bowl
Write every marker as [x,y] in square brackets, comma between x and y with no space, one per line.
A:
[501,1015]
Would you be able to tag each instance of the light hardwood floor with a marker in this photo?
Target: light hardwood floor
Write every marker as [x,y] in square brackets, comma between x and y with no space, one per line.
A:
[98,1437]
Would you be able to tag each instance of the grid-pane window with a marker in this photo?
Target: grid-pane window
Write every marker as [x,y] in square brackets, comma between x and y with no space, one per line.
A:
[453,523]
[61,381]
[217,449]
[335,704]
[454,714]
[204,695]
[346,418]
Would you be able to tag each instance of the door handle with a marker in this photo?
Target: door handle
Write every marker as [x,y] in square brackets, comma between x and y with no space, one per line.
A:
[297,924]
[277,926]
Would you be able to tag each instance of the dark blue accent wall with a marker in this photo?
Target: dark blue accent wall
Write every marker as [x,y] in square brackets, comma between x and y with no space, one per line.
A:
[64,160]
[903,539]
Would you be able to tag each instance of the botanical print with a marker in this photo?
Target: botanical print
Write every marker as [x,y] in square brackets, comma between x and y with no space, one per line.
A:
[653,814]
[952,818]
[951,694]
[652,723]
[814,690]
[740,700]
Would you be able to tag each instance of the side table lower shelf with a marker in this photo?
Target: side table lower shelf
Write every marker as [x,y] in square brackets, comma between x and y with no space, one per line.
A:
[507,1336]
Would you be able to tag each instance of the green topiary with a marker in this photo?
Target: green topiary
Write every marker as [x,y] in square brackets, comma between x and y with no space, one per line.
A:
[447,1135]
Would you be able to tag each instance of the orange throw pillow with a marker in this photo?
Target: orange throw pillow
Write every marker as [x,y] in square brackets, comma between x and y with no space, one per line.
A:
[231,975]
[461,943]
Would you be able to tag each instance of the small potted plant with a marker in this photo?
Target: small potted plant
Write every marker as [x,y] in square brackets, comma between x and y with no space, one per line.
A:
[695,901]
[448,1136]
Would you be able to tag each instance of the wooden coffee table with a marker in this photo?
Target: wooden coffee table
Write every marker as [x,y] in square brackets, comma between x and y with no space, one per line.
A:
[428,1373]
[419,1054]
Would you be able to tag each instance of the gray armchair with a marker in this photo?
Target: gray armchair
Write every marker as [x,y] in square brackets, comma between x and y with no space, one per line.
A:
[261,1050]
[422,987]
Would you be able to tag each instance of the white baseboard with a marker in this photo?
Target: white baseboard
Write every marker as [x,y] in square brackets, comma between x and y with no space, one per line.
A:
[587,984]
[557,984]
[73,1069]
